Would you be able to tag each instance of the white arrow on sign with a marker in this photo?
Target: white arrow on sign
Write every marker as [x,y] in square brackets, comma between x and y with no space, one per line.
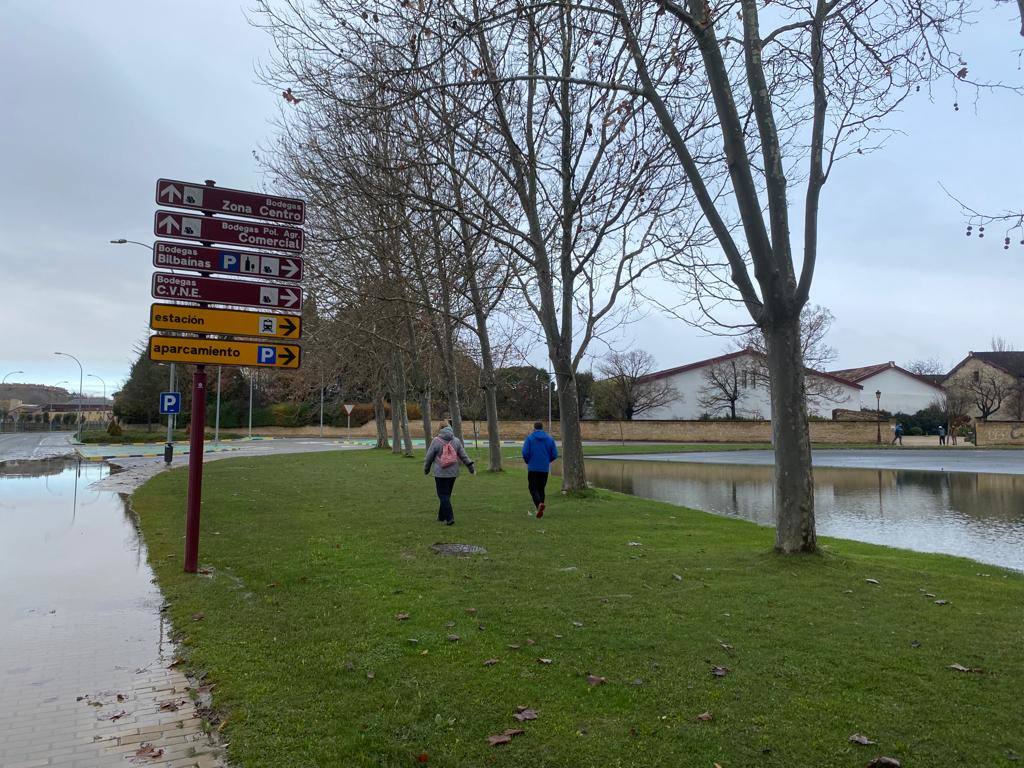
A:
[168,225]
[289,298]
[169,192]
[289,267]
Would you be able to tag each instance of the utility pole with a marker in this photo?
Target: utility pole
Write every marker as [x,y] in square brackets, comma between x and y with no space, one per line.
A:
[81,384]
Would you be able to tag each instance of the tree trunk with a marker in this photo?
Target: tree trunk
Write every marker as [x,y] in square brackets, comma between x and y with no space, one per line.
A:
[380,417]
[489,384]
[406,434]
[428,424]
[574,475]
[794,480]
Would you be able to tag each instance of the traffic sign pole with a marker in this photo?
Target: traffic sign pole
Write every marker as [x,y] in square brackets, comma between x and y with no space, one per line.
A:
[197,428]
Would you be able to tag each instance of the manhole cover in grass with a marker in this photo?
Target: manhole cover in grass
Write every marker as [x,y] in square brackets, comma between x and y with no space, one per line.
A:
[458,550]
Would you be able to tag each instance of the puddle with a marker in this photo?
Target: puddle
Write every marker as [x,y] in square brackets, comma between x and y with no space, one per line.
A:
[976,515]
[76,598]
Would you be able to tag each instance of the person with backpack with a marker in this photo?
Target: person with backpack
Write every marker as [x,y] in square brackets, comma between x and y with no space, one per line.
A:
[444,454]
[539,451]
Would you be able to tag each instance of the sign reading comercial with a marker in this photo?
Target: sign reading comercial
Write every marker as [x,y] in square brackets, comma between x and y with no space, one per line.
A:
[178,349]
[220,260]
[249,234]
[232,202]
[231,322]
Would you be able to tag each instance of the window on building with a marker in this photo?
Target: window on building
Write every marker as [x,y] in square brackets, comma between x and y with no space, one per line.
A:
[977,376]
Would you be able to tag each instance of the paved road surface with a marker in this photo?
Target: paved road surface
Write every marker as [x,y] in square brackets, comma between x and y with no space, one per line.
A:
[1007,462]
[17,446]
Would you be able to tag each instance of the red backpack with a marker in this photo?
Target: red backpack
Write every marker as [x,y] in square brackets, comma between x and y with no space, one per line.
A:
[448,456]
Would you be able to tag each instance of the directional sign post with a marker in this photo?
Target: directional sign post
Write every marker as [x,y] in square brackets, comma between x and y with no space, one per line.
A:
[209,289]
[222,261]
[249,234]
[232,322]
[250,354]
[232,202]
[170,403]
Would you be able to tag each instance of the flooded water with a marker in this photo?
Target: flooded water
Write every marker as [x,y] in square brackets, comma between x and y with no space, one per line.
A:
[975,515]
[76,598]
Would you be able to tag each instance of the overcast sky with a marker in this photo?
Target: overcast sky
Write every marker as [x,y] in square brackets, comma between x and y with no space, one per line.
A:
[99,99]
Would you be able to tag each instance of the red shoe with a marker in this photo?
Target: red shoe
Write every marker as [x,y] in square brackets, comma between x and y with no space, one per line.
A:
[540,510]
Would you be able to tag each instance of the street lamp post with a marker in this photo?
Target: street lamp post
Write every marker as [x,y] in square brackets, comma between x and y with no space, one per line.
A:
[12,373]
[94,376]
[81,381]
[878,416]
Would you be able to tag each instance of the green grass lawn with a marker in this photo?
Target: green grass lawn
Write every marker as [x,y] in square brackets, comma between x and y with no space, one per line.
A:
[315,556]
[157,435]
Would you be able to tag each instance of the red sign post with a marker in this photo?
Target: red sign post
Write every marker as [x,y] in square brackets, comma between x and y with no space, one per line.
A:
[232,202]
[199,259]
[248,234]
[211,289]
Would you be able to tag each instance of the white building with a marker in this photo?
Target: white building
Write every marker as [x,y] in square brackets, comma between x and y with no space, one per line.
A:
[901,391]
[707,387]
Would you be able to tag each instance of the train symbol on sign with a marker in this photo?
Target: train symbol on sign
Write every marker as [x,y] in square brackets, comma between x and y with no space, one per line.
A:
[170,402]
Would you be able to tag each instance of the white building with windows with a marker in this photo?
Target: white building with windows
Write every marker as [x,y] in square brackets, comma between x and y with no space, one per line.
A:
[711,387]
[900,390]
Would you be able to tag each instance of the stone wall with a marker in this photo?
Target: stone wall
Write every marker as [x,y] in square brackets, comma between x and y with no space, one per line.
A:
[640,431]
[999,433]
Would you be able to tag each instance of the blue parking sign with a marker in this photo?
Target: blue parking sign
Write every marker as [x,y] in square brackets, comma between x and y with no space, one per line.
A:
[170,402]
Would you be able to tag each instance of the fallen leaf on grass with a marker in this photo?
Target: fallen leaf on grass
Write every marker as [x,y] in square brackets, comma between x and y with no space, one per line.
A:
[860,738]
[871,581]
[471,611]
[401,616]
[595,680]
[720,671]
[884,762]
[530,641]
[915,643]
[505,737]
[198,616]
[513,647]
[704,717]
[450,625]
[942,602]
[172,706]
[577,624]
[525,713]
[677,577]
[148,751]
[962,668]
[635,544]
[544,661]
[205,571]
[422,757]
[370,675]
[490,662]
[726,647]
[453,638]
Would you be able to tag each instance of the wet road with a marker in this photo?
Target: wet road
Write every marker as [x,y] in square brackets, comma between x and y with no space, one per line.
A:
[84,657]
[1008,462]
[16,446]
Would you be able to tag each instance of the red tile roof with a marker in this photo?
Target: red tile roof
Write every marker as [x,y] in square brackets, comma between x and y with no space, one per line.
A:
[866,371]
[731,356]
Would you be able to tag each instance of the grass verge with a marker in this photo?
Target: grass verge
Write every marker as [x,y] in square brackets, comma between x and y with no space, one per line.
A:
[316,557]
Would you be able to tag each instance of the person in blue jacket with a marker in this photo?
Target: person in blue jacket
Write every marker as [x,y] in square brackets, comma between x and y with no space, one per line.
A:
[539,451]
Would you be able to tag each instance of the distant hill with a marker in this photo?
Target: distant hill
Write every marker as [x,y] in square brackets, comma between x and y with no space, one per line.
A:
[35,394]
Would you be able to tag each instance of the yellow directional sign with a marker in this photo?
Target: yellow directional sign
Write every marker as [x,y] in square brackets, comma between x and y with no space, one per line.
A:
[172,317]
[177,349]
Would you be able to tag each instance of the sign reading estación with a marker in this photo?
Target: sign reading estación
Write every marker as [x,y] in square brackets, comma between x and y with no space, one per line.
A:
[231,322]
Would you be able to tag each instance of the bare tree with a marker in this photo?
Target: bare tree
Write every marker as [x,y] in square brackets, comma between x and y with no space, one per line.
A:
[930,366]
[628,389]
[1000,344]
[986,391]
[725,385]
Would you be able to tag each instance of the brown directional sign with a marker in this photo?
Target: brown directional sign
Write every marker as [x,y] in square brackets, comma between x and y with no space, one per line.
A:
[249,234]
[232,202]
[209,289]
[232,322]
[199,259]
[180,349]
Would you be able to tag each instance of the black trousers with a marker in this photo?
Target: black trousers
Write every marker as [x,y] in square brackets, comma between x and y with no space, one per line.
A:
[445,486]
[537,481]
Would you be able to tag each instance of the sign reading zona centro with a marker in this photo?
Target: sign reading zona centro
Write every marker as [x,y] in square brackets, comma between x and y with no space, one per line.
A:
[233,202]
[215,291]
[199,259]
[177,349]
[233,322]
[249,234]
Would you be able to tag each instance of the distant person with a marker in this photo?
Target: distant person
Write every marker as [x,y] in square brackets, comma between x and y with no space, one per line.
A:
[444,454]
[539,450]
[942,435]
[897,434]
